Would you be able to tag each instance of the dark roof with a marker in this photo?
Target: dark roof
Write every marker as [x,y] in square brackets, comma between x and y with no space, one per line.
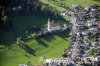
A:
[52,24]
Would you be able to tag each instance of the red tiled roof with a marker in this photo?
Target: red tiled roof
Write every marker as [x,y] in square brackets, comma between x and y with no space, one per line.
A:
[98,25]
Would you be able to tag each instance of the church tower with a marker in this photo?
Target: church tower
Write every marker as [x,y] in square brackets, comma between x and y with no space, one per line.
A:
[48,24]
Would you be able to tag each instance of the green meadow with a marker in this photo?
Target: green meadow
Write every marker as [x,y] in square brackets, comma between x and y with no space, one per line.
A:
[58,4]
[50,46]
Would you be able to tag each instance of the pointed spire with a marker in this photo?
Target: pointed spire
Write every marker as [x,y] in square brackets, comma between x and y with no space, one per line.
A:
[48,19]
[52,21]
[49,24]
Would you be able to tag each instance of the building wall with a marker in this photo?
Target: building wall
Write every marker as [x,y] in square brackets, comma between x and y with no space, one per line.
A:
[54,28]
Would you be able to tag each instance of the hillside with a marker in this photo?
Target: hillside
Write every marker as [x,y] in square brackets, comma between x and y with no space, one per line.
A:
[50,46]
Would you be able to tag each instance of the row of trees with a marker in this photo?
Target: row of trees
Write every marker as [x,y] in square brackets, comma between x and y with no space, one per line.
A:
[10,8]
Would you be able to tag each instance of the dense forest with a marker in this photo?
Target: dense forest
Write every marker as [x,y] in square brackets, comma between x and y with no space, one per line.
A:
[11,8]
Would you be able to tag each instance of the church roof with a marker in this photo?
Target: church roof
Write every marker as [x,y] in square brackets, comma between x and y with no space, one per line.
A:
[52,24]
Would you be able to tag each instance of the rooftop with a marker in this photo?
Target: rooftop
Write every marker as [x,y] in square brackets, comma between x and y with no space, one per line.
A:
[54,24]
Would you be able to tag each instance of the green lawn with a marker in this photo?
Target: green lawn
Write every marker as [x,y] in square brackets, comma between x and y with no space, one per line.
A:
[50,46]
[69,3]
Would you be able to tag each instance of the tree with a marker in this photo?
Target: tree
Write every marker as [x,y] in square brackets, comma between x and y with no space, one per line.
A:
[44,9]
[33,35]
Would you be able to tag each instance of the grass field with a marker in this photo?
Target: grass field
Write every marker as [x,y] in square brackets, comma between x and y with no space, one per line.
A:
[50,46]
[69,3]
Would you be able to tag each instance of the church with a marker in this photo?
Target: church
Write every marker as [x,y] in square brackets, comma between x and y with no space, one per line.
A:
[52,26]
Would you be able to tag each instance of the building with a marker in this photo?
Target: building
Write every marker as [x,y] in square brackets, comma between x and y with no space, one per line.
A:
[90,22]
[52,26]
[87,8]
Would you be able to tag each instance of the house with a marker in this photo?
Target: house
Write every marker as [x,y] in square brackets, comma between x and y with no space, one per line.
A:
[87,8]
[22,65]
[91,22]
[64,14]
[85,32]
[91,59]
[98,25]
[52,26]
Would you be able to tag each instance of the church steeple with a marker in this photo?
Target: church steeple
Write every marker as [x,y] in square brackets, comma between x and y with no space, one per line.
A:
[49,23]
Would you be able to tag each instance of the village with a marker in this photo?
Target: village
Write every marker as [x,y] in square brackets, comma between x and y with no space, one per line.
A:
[85,37]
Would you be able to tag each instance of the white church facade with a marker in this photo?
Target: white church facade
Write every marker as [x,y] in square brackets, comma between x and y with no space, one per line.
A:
[52,26]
